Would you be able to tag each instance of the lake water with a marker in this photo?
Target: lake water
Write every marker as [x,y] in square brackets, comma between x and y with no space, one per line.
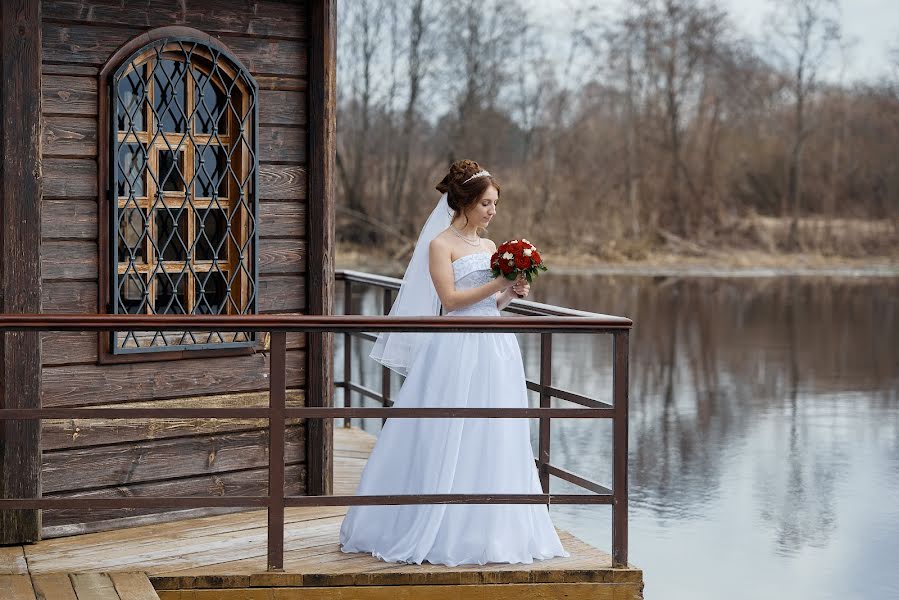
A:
[764,430]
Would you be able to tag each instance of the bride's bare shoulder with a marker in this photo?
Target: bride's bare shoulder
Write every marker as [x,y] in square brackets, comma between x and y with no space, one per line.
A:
[440,244]
[490,245]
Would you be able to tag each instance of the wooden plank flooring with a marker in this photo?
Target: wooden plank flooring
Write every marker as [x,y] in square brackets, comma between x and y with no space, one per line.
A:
[77,586]
[228,551]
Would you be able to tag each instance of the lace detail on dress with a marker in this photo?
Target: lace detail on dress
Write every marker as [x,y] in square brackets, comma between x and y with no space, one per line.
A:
[473,270]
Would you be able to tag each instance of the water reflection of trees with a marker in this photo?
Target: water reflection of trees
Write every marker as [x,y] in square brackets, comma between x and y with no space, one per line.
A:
[716,364]
[712,358]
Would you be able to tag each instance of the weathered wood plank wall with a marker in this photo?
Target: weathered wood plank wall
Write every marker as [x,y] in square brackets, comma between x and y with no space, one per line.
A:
[194,456]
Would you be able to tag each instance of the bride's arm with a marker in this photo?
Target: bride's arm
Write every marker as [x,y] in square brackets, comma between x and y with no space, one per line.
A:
[504,298]
[441,269]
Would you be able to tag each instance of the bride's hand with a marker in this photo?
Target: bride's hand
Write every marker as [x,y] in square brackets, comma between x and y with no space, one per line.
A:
[521,288]
[505,284]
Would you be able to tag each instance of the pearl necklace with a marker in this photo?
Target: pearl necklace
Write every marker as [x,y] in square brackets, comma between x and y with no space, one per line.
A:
[466,239]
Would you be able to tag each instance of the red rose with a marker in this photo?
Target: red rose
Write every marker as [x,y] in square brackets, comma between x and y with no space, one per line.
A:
[505,267]
[522,262]
[536,256]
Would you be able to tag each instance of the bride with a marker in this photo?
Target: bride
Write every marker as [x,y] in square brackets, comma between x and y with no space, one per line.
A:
[451,267]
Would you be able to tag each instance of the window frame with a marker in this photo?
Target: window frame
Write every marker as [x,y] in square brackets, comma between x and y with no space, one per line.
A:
[107,230]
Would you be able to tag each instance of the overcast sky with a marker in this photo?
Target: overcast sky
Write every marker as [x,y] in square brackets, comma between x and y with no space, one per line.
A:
[873,24]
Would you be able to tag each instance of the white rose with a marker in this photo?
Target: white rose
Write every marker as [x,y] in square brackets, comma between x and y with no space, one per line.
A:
[527,252]
[508,255]
[514,242]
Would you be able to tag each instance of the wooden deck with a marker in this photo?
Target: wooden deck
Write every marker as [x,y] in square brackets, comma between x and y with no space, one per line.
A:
[77,586]
[223,558]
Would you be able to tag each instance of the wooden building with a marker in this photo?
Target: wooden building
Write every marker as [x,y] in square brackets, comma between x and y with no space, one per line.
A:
[161,157]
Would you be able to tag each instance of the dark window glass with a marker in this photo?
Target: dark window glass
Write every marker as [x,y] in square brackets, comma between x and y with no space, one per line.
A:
[171,241]
[211,293]
[132,225]
[170,96]
[170,298]
[210,103]
[210,228]
[211,179]
[170,293]
[132,171]
[132,294]
[170,173]
[132,100]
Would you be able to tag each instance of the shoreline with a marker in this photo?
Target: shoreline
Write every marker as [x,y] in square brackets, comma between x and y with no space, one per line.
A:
[884,272]
[733,264]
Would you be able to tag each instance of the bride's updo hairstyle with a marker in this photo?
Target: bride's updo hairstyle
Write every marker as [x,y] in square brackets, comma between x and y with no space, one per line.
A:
[460,196]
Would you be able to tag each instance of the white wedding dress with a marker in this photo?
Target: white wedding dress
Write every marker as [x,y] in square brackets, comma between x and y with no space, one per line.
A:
[448,456]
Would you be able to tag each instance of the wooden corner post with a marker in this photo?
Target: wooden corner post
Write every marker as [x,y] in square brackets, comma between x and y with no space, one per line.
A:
[321,239]
[20,267]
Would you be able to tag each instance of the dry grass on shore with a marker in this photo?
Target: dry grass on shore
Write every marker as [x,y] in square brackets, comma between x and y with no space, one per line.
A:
[749,243]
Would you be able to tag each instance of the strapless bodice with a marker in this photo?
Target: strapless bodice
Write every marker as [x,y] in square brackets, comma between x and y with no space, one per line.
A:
[470,271]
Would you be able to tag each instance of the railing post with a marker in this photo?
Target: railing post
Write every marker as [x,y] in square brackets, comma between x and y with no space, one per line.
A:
[385,371]
[619,448]
[276,425]
[546,352]
[347,352]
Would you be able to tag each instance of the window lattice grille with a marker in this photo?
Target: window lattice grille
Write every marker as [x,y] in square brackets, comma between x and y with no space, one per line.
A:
[183,169]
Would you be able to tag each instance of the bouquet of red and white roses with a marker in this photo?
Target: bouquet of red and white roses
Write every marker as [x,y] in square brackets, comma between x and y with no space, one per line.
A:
[514,257]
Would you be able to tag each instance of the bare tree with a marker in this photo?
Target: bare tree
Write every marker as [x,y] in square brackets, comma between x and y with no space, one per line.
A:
[559,87]
[531,79]
[479,57]
[683,36]
[626,48]
[804,31]
[840,128]
[420,54]
[364,20]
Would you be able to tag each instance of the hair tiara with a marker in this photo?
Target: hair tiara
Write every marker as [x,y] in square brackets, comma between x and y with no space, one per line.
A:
[476,175]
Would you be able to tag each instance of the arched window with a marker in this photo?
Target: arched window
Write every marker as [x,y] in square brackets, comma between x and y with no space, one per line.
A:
[182,170]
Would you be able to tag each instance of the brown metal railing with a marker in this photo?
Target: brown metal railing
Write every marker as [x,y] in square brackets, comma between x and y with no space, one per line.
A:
[277,413]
